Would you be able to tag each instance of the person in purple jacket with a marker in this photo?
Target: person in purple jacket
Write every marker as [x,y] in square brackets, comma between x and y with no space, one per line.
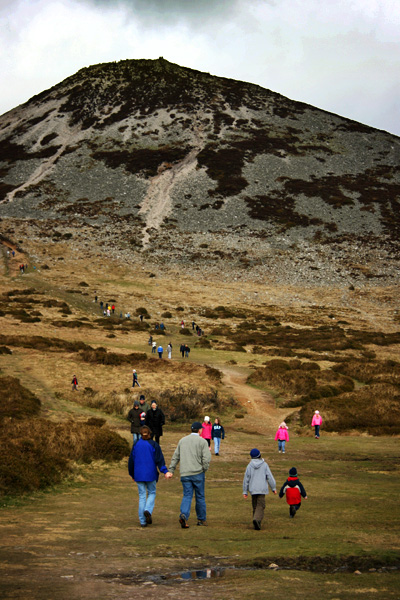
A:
[145,462]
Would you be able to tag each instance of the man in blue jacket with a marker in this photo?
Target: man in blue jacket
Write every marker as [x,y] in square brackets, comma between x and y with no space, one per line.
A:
[145,460]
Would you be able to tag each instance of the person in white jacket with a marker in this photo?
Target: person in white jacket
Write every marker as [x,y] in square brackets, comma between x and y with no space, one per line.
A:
[256,480]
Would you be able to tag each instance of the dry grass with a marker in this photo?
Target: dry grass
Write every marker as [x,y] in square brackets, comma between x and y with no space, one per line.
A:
[36,453]
[17,402]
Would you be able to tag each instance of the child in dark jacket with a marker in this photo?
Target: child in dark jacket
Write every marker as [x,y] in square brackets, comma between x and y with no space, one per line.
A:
[294,490]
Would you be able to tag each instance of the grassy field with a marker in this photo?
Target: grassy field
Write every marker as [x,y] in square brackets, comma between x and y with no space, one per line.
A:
[80,538]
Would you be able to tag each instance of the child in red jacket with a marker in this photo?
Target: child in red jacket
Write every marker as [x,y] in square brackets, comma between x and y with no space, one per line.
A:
[294,490]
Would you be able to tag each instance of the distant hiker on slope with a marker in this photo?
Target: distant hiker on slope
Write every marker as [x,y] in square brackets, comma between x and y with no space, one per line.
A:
[135,379]
[282,435]
[316,423]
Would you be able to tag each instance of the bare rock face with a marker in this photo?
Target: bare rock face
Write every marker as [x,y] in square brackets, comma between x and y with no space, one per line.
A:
[169,166]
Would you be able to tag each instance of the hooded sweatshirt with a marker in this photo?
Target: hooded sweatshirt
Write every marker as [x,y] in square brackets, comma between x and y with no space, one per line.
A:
[316,420]
[258,477]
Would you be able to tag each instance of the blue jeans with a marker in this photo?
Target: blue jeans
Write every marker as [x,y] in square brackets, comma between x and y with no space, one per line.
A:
[196,484]
[316,430]
[136,437]
[281,445]
[149,488]
[217,443]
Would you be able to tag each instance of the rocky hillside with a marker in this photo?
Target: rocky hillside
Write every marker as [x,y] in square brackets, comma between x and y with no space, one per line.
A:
[169,167]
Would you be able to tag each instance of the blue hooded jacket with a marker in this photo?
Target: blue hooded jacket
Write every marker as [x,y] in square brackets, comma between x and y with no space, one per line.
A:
[145,458]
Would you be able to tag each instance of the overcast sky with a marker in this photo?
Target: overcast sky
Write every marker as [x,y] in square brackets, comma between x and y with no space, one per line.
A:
[339,55]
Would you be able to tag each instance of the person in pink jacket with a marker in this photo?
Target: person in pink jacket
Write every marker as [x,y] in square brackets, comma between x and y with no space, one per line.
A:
[206,431]
[316,423]
[282,435]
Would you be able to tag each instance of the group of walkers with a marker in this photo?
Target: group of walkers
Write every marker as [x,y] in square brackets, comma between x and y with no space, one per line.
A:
[142,414]
[193,455]
[215,432]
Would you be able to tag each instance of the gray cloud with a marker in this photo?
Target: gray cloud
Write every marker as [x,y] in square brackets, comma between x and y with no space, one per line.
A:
[170,11]
[339,55]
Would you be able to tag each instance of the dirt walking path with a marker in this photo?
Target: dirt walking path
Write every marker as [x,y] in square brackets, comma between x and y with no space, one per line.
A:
[262,415]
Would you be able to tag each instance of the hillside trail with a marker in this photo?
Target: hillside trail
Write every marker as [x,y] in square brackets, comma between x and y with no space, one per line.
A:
[262,416]
[158,202]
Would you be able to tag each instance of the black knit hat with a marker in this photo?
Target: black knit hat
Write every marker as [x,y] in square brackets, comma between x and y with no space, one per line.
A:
[293,472]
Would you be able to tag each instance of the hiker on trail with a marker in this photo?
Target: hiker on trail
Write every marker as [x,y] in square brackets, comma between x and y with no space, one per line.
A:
[316,423]
[294,490]
[182,350]
[162,326]
[135,379]
[95,298]
[187,350]
[108,312]
[169,350]
[135,421]
[205,432]
[193,325]
[145,462]
[101,305]
[74,383]
[194,456]
[153,348]
[256,480]
[156,326]
[282,435]
[217,433]
[160,351]
[155,419]
[141,317]
[150,340]
[113,308]
[182,323]
[144,407]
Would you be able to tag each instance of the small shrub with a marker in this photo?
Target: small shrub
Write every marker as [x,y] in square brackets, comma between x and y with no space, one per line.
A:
[185,331]
[166,315]
[31,456]
[17,401]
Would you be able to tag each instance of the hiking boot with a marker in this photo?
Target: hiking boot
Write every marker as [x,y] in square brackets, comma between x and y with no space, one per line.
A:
[182,521]
[202,523]
[148,518]
[257,524]
[143,525]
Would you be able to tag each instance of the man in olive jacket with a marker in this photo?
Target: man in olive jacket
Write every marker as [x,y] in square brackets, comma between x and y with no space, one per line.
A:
[194,457]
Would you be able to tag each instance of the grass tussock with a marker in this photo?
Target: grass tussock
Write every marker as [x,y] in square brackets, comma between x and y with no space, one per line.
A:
[369,371]
[179,403]
[41,343]
[40,453]
[102,357]
[17,402]
[304,380]
[374,408]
